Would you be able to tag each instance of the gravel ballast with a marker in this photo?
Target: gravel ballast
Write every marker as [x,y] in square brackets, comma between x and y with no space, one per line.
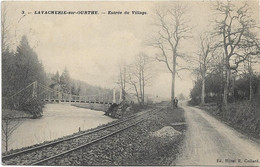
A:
[154,141]
[134,146]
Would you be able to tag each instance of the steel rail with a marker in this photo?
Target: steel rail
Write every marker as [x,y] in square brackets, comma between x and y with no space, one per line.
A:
[87,144]
[5,157]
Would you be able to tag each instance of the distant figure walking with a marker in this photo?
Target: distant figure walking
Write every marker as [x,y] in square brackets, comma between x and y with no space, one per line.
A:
[175,101]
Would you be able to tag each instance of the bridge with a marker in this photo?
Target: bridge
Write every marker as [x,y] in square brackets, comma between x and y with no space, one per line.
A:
[44,93]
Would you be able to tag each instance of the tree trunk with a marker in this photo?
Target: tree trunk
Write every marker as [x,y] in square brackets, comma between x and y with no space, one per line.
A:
[137,95]
[143,86]
[140,87]
[6,135]
[173,85]
[226,86]
[203,90]
[173,79]
[251,89]
[221,86]
[233,88]
[124,81]
[250,81]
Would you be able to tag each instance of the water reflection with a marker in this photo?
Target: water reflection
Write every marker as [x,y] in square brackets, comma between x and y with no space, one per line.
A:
[58,120]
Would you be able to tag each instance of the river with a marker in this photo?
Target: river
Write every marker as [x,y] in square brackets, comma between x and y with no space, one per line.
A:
[58,120]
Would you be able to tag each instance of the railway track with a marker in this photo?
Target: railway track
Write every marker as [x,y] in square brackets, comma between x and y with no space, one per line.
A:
[43,153]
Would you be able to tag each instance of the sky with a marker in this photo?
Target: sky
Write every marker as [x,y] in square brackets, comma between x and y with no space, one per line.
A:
[91,47]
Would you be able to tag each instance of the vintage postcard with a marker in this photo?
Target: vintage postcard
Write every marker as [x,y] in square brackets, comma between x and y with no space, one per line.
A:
[130,83]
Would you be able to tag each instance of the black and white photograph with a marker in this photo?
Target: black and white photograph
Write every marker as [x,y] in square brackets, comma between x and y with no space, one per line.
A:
[130,83]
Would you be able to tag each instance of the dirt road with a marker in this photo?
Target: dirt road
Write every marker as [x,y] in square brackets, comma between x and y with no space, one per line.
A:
[211,142]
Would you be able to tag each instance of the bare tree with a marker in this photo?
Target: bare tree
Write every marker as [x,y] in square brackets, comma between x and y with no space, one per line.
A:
[205,55]
[122,80]
[237,30]
[146,72]
[4,28]
[250,70]
[9,125]
[131,81]
[173,28]
[139,76]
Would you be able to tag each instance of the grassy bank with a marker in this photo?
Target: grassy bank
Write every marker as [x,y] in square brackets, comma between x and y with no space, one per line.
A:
[242,116]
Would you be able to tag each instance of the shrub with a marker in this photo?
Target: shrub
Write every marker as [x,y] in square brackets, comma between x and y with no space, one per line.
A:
[243,116]
[34,107]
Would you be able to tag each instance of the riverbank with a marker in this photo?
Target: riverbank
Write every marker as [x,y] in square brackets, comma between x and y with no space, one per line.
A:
[96,107]
[242,116]
[15,114]
[155,141]
[139,145]
[124,109]
[58,120]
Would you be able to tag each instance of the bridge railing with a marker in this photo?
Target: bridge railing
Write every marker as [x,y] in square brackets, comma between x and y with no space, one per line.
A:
[58,96]
[44,93]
